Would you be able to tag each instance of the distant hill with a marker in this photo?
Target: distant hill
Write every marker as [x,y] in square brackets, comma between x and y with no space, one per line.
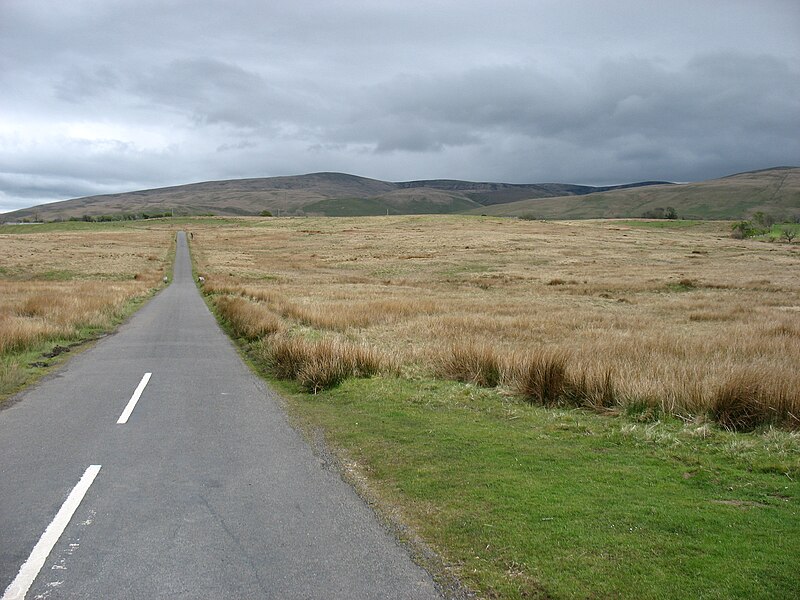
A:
[775,191]
[326,194]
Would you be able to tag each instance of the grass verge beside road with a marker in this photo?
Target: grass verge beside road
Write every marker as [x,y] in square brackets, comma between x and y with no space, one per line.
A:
[528,502]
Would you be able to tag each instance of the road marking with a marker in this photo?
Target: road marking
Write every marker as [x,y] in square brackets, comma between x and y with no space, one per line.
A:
[123,418]
[31,567]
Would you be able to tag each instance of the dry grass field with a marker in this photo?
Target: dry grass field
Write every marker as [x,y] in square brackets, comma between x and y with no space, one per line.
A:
[61,284]
[615,315]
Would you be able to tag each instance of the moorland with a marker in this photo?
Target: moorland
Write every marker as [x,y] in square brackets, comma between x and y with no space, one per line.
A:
[558,409]
[537,409]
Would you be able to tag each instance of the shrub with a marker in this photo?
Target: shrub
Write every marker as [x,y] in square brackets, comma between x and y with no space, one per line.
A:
[765,220]
[742,229]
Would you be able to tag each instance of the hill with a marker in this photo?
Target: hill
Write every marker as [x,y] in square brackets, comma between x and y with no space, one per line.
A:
[325,194]
[775,191]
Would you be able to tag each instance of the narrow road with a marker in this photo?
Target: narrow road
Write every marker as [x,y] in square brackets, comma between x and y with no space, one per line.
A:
[204,491]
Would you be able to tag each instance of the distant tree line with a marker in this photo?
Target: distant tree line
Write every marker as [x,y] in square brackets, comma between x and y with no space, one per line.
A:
[120,217]
[660,212]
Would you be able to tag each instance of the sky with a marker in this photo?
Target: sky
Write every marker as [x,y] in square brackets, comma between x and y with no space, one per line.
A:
[102,96]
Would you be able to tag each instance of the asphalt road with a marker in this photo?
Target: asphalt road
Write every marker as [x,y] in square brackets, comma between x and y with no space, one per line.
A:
[205,491]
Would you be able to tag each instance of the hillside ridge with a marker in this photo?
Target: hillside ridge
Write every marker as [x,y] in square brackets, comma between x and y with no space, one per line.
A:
[342,194]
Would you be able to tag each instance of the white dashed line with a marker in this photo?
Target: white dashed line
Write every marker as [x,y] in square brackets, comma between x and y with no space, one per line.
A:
[123,418]
[31,567]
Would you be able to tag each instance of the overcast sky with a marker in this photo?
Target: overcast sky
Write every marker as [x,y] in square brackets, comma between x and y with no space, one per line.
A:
[104,96]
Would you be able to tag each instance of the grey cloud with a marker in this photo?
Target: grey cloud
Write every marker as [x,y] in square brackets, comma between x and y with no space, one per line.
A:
[629,108]
[80,83]
[208,90]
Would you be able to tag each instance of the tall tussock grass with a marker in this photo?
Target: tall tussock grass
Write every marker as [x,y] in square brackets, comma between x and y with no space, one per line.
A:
[91,305]
[347,315]
[18,332]
[12,374]
[248,320]
[33,312]
[474,363]
[318,365]
[745,402]
[542,378]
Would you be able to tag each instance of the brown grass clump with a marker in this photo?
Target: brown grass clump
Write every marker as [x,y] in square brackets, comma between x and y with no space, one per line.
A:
[91,304]
[321,371]
[248,320]
[321,364]
[596,391]
[17,333]
[737,403]
[744,402]
[473,363]
[541,378]
[12,375]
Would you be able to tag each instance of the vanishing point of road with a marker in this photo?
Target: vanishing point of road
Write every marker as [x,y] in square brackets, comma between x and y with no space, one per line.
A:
[156,465]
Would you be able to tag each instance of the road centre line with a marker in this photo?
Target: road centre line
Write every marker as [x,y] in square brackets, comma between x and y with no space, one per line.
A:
[31,567]
[123,418]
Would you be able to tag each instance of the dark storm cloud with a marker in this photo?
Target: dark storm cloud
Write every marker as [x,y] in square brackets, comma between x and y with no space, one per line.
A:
[115,95]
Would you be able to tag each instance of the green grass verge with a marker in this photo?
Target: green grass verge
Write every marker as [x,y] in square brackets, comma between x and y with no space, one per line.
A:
[526,502]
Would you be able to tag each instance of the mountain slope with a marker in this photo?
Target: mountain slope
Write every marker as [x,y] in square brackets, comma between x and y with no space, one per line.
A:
[775,191]
[316,193]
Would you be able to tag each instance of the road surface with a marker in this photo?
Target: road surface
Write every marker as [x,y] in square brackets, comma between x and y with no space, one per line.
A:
[204,491]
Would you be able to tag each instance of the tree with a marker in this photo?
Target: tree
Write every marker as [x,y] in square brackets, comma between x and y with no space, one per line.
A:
[742,229]
[266,213]
[655,213]
[670,213]
[788,233]
[763,219]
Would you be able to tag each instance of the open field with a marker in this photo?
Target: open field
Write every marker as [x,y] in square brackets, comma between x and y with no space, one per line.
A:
[521,500]
[681,321]
[60,285]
